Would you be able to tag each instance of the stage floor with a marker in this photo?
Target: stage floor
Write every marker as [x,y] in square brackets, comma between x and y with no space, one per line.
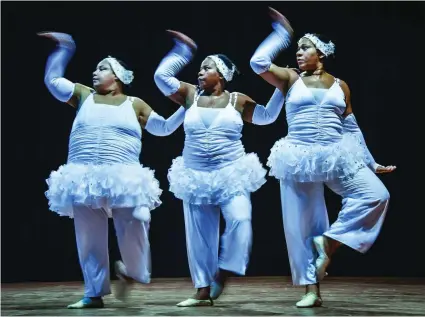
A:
[244,296]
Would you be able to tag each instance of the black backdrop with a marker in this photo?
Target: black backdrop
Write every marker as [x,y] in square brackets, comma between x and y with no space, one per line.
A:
[378,52]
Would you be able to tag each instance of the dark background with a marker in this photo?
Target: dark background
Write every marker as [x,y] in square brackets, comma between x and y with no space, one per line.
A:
[378,53]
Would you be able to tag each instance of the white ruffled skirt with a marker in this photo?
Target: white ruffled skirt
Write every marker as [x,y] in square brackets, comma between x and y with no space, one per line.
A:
[315,162]
[102,186]
[216,187]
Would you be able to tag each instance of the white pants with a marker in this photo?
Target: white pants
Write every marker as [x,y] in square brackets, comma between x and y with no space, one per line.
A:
[202,223]
[91,230]
[364,205]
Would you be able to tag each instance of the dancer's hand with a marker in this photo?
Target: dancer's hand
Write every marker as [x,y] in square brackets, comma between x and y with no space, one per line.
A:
[62,39]
[280,18]
[184,38]
[384,169]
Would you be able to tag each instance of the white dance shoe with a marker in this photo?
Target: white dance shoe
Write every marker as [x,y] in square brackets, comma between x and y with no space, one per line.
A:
[309,300]
[87,302]
[192,302]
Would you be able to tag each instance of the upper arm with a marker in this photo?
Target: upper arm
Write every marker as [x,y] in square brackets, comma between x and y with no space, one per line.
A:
[79,95]
[184,96]
[280,77]
[246,106]
[347,95]
[142,110]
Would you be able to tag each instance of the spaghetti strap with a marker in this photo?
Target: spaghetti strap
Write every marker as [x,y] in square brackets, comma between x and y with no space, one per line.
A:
[235,98]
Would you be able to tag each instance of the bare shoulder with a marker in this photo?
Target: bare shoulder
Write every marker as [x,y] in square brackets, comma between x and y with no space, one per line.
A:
[80,94]
[243,102]
[138,103]
[242,98]
[83,89]
[140,106]
[293,77]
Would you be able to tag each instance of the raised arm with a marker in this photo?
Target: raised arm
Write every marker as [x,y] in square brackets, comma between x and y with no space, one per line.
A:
[61,88]
[182,53]
[153,122]
[350,126]
[262,60]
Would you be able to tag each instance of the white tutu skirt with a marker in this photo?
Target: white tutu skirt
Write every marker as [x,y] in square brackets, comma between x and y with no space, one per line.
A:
[218,186]
[102,186]
[315,162]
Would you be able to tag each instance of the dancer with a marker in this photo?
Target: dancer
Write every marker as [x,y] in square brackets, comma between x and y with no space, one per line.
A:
[324,146]
[214,173]
[103,177]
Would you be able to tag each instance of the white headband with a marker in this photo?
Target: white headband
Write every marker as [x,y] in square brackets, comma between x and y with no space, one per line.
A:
[126,76]
[327,49]
[222,67]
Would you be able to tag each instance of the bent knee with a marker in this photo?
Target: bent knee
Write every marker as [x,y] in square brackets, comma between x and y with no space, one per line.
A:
[242,216]
[382,196]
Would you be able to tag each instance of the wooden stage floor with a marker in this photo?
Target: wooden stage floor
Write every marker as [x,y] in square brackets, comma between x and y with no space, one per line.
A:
[244,296]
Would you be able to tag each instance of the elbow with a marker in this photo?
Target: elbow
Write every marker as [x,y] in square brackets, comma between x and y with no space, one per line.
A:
[167,84]
[158,77]
[49,81]
[157,132]
[272,119]
[259,64]
[263,121]
[165,132]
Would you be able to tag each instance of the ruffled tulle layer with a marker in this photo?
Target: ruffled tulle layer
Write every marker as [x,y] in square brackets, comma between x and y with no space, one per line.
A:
[315,163]
[102,186]
[215,187]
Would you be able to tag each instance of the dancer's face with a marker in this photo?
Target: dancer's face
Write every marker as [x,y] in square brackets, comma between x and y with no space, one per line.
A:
[103,75]
[307,55]
[208,75]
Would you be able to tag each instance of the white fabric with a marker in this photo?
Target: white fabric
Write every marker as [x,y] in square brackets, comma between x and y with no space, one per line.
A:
[91,230]
[61,88]
[268,114]
[270,48]
[159,126]
[103,168]
[364,205]
[222,68]
[318,93]
[208,115]
[202,238]
[170,66]
[326,48]
[142,213]
[316,147]
[214,166]
[215,172]
[126,76]
[350,126]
